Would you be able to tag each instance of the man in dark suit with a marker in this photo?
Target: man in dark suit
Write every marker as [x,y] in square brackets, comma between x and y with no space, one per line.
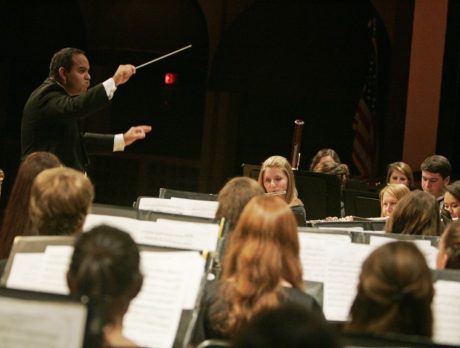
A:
[51,114]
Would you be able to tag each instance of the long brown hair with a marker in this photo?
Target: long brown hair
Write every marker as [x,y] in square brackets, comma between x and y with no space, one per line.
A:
[416,213]
[263,251]
[395,292]
[16,221]
[234,196]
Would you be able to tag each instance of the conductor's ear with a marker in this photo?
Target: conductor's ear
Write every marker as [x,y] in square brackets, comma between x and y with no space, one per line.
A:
[62,75]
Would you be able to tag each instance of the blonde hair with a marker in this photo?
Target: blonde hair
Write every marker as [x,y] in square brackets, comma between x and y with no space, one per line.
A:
[60,199]
[398,191]
[282,163]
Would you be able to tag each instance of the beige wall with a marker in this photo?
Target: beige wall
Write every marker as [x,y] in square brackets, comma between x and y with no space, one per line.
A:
[425,76]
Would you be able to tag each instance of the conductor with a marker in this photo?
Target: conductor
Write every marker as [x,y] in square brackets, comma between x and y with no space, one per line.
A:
[51,114]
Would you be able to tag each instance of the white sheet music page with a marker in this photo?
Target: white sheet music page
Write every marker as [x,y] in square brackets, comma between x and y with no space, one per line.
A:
[25,271]
[199,208]
[122,223]
[429,251]
[177,234]
[179,206]
[341,281]
[446,313]
[153,316]
[41,324]
[315,251]
[54,270]
[44,272]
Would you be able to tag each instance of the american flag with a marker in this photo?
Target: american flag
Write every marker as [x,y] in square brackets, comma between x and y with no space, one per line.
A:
[364,144]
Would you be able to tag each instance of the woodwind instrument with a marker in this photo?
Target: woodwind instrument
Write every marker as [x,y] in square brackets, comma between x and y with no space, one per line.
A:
[296,142]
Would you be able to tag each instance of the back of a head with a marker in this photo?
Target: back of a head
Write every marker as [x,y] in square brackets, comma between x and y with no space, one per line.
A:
[395,292]
[60,200]
[234,196]
[437,164]
[262,252]
[16,220]
[105,266]
[267,229]
[416,213]
[288,326]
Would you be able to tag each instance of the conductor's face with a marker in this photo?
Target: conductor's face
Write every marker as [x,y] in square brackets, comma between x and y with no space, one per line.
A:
[77,80]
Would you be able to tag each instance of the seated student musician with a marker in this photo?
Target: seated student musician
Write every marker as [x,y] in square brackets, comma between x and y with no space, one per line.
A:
[449,247]
[105,267]
[16,221]
[232,199]
[400,173]
[261,270]
[60,199]
[452,200]
[324,155]
[416,213]
[277,178]
[394,295]
[287,326]
[234,196]
[389,196]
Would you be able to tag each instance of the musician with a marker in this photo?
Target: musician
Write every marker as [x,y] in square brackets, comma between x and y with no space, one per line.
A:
[276,177]
[261,271]
[50,116]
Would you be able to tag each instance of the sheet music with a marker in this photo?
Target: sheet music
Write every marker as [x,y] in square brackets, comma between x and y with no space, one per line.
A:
[153,316]
[122,223]
[342,275]
[171,283]
[429,251]
[315,251]
[23,273]
[179,206]
[54,269]
[446,304]
[44,272]
[41,324]
[163,232]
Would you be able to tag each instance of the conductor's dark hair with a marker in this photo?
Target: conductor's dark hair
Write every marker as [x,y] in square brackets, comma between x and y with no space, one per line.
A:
[105,266]
[62,58]
[286,326]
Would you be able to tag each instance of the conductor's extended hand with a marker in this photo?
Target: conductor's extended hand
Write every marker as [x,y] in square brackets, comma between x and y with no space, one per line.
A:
[123,74]
[135,133]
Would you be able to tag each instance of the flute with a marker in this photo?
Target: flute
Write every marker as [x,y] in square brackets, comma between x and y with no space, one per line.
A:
[296,142]
[275,193]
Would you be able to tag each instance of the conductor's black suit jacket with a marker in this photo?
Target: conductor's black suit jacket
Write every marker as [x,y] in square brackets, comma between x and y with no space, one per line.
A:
[50,123]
